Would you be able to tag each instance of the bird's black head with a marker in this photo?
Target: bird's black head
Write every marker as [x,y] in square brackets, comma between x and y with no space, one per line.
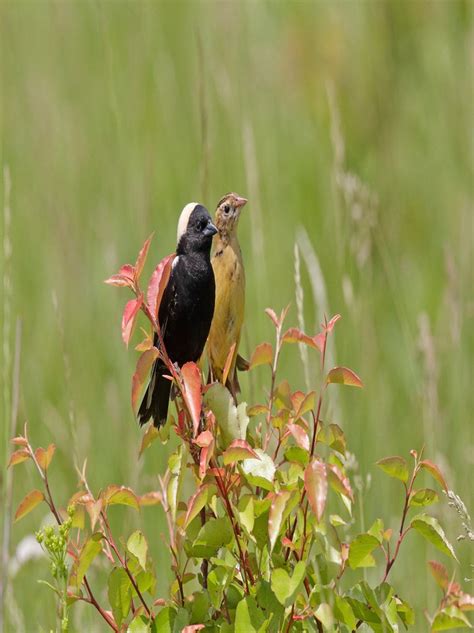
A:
[195,229]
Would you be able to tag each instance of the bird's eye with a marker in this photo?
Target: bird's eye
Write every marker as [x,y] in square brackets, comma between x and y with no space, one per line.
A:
[202,225]
[226,209]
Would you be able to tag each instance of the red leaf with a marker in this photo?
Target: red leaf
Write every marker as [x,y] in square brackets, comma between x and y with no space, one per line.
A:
[29,502]
[204,439]
[319,341]
[18,456]
[339,481]
[150,499]
[158,282]
[300,435]
[316,486]
[263,355]
[205,458]
[127,271]
[294,335]
[329,327]
[193,628]
[129,318]
[141,259]
[19,441]
[44,456]
[237,451]
[440,573]
[271,313]
[192,385]
[142,371]
[119,281]
[434,470]
[344,376]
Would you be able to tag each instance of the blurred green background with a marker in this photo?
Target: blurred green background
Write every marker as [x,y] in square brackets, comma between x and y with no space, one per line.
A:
[348,125]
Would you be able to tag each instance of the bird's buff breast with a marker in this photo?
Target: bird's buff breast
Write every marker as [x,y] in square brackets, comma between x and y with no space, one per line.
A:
[229,306]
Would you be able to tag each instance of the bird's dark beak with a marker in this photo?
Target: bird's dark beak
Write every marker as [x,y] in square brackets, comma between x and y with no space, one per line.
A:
[210,229]
[240,202]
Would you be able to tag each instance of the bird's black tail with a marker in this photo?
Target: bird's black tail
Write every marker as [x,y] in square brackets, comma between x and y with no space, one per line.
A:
[156,399]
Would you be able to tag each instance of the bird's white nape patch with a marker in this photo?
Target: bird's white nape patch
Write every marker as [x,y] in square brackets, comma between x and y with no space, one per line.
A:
[175,261]
[184,219]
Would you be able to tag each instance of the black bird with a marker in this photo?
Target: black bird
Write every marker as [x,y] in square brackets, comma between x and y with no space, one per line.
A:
[186,309]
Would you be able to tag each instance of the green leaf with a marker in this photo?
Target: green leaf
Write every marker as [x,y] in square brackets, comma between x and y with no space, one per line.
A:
[325,615]
[377,529]
[343,612]
[139,624]
[286,588]
[119,593]
[450,618]
[259,471]
[297,455]
[30,501]
[248,617]
[211,537]
[316,486]
[344,376]
[246,513]
[405,612]
[275,518]
[360,551]
[232,420]
[394,467]
[119,495]
[89,551]
[429,527]
[164,621]
[423,497]
[138,546]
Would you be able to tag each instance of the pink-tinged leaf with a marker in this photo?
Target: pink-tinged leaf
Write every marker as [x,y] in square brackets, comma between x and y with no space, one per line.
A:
[94,508]
[238,451]
[141,259]
[19,441]
[272,315]
[257,409]
[330,326]
[204,459]
[300,435]
[18,456]
[44,456]
[294,335]
[285,541]
[283,394]
[141,375]
[316,486]
[343,376]
[196,504]
[320,341]
[307,404]
[440,574]
[30,502]
[150,436]
[204,439]
[339,481]
[120,281]
[192,386]
[119,495]
[228,363]
[263,355]
[275,517]
[129,317]
[127,271]
[465,602]
[158,282]
[193,628]
[150,499]
[435,472]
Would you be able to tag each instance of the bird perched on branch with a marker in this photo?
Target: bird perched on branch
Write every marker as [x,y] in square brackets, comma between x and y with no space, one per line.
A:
[186,309]
[230,291]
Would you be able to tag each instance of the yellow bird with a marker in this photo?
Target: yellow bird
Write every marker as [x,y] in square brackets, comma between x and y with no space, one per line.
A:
[229,274]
